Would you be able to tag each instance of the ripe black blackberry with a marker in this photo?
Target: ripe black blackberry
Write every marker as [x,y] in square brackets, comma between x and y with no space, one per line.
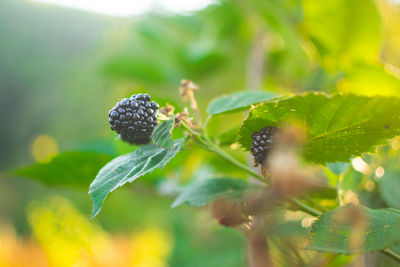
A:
[262,144]
[134,118]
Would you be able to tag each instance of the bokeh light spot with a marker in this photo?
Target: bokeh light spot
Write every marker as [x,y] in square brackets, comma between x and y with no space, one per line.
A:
[370,186]
[43,148]
[360,165]
[379,172]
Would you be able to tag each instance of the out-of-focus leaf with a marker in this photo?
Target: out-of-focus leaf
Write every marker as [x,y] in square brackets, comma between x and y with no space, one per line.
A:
[352,35]
[389,188]
[237,101]
[370,80]
[128,168]
[352,180]
[66,169]
[138,68]
[324,193]
[201,193]
[162,135]
[98,146]
[338,127]
[345,231]
[338,168]
[229,137]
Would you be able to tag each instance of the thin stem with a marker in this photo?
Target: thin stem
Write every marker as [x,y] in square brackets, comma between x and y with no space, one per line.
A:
[191,131]
[206,121]
[235,162]
[392,254]
[305,207]
[339,190]
[316,205]
[209,145]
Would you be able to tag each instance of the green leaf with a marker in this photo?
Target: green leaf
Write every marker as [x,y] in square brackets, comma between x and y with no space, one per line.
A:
[337,230]
[229,137]
[162,135]
[201,193]
[352,35]
[389,188]
[74,169]
[128,168]
[338,127]
[352,180]
[364,79]
[338,168]
[237,101]
[396,249]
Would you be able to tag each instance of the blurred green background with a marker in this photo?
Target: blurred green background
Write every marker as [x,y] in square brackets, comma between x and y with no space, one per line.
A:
[61,70]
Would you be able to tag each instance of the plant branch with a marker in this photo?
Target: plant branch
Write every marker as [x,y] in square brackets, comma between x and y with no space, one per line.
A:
[392,254]
[208,144]
[216,149]
[304,207]
[211,146]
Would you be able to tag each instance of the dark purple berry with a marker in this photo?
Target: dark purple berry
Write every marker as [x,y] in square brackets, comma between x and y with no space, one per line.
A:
[262,143]
[134,104]
[140,112]
[154,105]
[124,102]
[113,115]
[146,97]
[134,118]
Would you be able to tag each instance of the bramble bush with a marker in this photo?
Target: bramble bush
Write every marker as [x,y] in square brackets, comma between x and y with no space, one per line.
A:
[307,169]
[324,189]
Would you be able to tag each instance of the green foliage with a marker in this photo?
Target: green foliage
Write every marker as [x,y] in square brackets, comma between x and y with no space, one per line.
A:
[338,168]
[293,46]
[229,137]
[352,180]
[237,101]
[351,36]
[162,135]
[128,168]
[344,230]
[389,188]
[74,169]
[338,127]
[204,192]
[365,79]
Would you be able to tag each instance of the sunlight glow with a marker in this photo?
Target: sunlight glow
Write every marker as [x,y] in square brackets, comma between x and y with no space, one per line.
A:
[128,8]
[379,172]
[360,165]
[43,148]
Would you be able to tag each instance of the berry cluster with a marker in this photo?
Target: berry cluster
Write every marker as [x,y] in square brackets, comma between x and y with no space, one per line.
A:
[134,118]
[263,142]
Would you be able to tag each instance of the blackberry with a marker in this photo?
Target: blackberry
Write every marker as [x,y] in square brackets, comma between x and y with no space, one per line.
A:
[262,144]
[134,118]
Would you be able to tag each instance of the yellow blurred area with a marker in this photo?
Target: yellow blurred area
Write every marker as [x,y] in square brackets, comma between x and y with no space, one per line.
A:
[150,248]
[43,148]
[16,252]
[396,144]
[370,81]
[67,238]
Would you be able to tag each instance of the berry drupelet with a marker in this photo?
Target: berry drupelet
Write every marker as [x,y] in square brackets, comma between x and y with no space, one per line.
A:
[262,143]
[134,118]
